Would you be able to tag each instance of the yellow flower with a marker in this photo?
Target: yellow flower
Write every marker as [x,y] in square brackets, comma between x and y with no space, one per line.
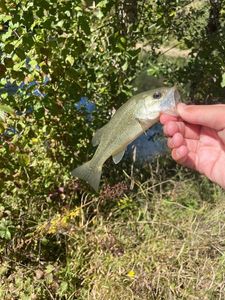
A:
[131,274]
[34,140]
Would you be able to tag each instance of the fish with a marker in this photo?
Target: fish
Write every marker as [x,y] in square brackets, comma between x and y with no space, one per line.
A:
[130,121]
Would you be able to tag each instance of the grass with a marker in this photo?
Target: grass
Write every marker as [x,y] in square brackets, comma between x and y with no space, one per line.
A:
[164,241]
[176,252]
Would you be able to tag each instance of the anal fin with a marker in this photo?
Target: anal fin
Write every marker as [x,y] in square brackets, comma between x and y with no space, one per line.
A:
[117,158]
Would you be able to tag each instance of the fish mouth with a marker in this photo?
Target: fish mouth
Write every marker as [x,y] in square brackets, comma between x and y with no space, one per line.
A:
[173,96]
[169,104]
[176,96]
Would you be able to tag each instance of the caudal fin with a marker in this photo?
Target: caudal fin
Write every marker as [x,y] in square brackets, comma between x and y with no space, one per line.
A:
[90,173]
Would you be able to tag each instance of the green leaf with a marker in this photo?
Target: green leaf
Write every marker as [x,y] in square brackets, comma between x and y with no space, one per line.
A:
[33,63]
[4,229]
[84,24]
[60,23]
[9,48]
[50,269]
[125,66]
[20,53]
[24,159]
[17,67]
[5,233]
[6,109]
[70,59]
[8,62]
[4,95]
[4,18]
[102,4]
[2,70]
[223,81]
[6,35]
[63,287]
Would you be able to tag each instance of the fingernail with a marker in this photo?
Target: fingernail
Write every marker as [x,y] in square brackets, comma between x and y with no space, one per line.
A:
[221,134]
[181,107]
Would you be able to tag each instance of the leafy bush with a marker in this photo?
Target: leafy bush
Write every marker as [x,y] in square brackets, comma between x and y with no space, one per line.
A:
[52,54]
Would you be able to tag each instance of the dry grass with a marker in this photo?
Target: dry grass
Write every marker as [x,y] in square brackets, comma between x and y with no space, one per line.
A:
[166,241]
[169,250]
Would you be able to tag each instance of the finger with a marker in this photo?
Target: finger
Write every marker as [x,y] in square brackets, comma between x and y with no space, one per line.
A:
[176,141]
[189,131]
[206,115]
[164,118]
[221,135]
[182,156]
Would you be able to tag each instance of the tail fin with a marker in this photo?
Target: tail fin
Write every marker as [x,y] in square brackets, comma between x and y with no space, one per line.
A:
[90,173]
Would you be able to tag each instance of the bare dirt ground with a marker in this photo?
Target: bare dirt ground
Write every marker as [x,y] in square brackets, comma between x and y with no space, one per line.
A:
[168,51]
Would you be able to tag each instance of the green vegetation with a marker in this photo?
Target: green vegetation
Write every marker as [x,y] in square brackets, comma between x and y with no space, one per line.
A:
[161,240]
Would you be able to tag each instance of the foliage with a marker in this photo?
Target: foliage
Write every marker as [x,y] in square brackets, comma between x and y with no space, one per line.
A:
[81,52]
[203,34]
[53,232]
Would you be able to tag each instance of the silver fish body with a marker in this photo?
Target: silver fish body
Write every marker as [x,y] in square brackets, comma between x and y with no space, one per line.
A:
[130,121]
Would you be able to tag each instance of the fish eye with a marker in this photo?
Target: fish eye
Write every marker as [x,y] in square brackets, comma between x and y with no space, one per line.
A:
[157,95]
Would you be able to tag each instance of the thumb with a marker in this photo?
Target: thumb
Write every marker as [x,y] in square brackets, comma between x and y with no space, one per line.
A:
[212,116]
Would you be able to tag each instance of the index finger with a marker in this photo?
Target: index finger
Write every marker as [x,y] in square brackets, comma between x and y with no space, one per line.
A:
[165,118]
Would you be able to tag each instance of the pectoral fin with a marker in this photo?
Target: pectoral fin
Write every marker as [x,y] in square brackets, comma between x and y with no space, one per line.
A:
[117,158]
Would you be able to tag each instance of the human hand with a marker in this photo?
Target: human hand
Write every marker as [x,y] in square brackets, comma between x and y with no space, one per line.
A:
[197,138]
